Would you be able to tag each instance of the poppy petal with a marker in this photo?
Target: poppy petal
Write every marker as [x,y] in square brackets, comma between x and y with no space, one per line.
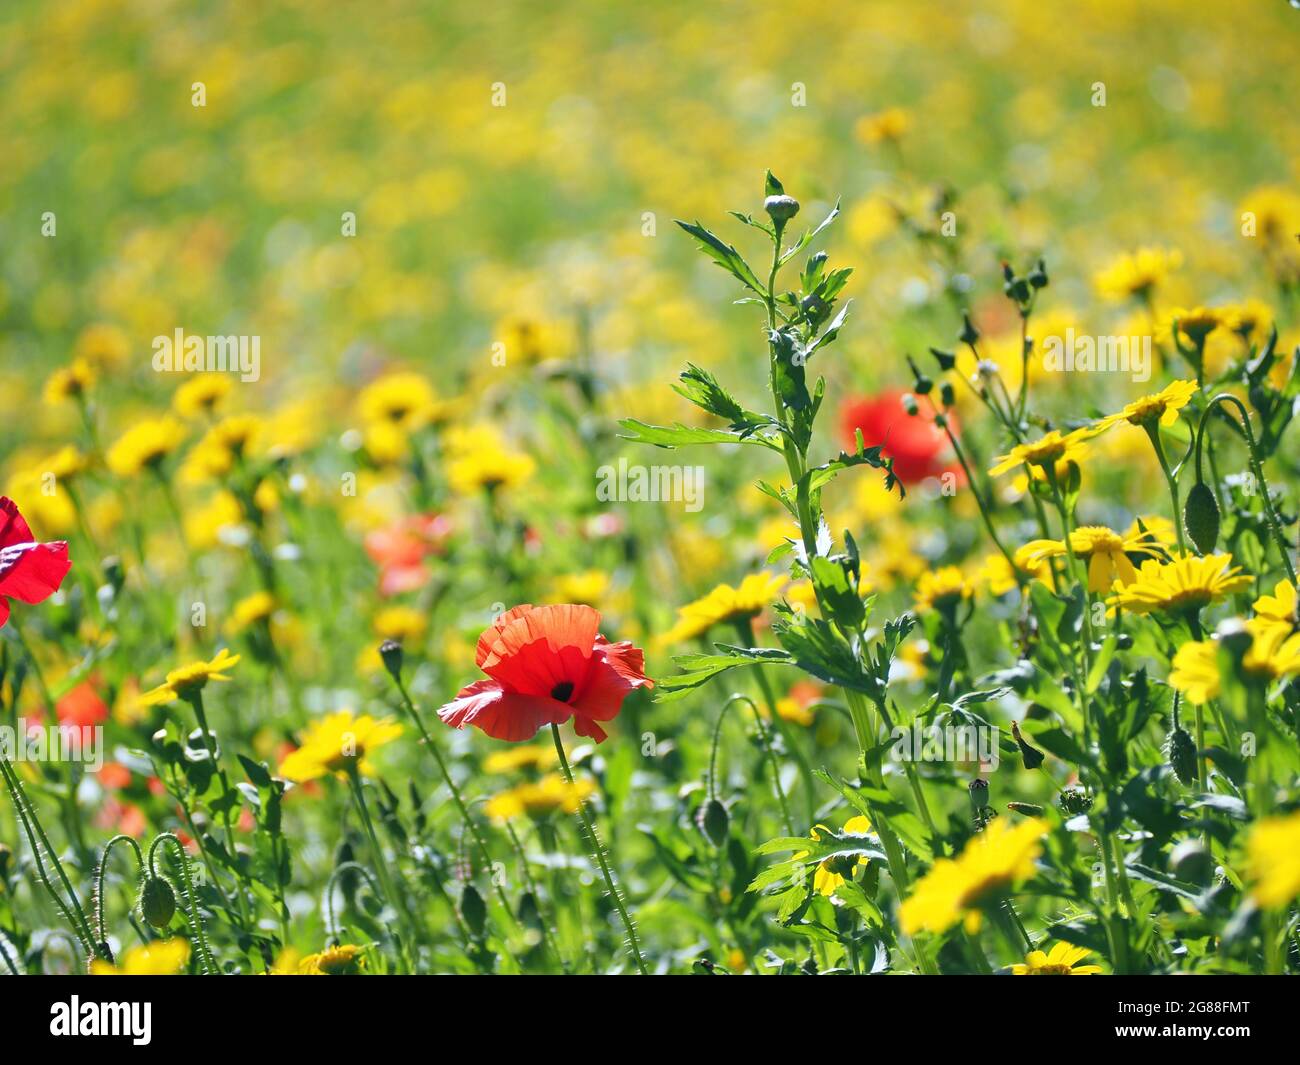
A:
[13,528]
[33,572]
[501,714]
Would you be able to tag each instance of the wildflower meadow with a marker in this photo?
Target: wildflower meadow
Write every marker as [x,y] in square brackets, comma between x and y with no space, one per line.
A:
[718,489]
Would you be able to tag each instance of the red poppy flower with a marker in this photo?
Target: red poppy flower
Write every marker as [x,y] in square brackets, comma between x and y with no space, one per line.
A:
[29,571]
[544,665]
[82,706]
[401,548]
[913,442]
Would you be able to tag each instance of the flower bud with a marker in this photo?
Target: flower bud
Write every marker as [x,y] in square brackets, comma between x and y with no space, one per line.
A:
[979,793]
[473,910]
[1038,275]
[1180,750]
[713,820]
[781,208]
[1027,809]
[157,901]
[910,405]
[1033,757]
[390,652]
[969,334]
[1190,861]
[946,394]
[1201,517]
[1074,801]
[924,385]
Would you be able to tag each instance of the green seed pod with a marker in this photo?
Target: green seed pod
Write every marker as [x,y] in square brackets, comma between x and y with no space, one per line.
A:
[1190,861]
[390,653]
[781,208]
[1028,809]
[157,901]
[1180,750]
[1074,801]
[713,820]
[1201,517]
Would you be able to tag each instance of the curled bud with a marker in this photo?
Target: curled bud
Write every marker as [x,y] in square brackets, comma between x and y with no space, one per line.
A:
[157,901]
[1033,757]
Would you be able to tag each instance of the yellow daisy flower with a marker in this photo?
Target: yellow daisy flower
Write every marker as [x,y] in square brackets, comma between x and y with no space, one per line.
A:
[1183,584]
[1273,860]
[1052,448]
[338,743]
[250,610]
[189,680]
[145,445]
[826,878]
[887,125]
[160,958]
[1281,606]
[405,624]
[1194,324]
[1059,962]
[201,395]
[725,604]
[1274,653]
[941,589]
[1105,551]
[1162,407]
[68,382]
[524,756]
[402,399]
[1136,274]
[222,447]
[548,795]
[342,960]
[990,865]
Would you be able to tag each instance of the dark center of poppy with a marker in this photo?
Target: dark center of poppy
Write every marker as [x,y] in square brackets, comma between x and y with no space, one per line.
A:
[562,691]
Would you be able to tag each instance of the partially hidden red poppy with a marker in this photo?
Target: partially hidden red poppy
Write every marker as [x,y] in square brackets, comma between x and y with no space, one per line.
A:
[400,551]
[29,571]
[544,665]
[916,445]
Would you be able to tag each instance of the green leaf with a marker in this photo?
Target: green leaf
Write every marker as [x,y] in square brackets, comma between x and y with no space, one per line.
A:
[671,436]
[724,255]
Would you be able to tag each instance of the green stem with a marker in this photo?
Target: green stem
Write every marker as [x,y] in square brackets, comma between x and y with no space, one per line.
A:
[598,853]
[191,907]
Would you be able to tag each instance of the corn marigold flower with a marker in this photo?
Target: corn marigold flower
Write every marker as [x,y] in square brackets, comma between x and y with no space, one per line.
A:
[102,346]
[159,958]
[201,395]
[1193,324]
[1106,552]
[590,587]
[250,610]
[526,756]
[222,447]
[1051,449]
[69,382]
[917,446]
[404,400]
[30,571]
[491,468]
[830,874]
[1162,407]
[1274,653]
[1137,274]
[988,867]
[544,665]
[402,623]
[1060,961]
[755,593]
[1183,584]
[1280,606]
[1273,860]
[1000,577]
[188,680]
[338,743]
[942,589]
[145,445]
[887,125]
[345,959]
[546,796]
